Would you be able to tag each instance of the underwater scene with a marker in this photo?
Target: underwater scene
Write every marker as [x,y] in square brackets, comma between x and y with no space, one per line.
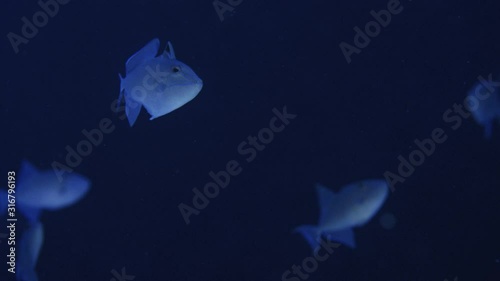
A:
[228,140]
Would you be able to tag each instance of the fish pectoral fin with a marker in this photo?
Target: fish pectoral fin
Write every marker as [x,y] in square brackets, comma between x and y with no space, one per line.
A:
[132,109]
[345,237]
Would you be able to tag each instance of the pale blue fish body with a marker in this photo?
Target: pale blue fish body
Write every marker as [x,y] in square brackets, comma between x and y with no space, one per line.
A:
[488,107]
[41,190]
[160,83]
[354,205]
[28,252]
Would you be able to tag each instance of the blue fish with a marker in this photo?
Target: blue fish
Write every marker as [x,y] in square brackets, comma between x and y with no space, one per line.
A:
[41,190]
[353,206]
[160,83]
[484,104]
[37,191]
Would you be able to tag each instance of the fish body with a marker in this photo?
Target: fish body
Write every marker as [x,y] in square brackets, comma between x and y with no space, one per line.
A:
[38,190]
[354,205]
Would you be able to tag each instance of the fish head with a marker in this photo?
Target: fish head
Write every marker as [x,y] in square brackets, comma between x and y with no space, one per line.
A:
[371,191]
[362,200]
[171,85]
[179,78]
[483,103]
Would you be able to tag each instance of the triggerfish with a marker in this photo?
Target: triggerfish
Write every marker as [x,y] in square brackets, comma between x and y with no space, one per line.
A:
[160,83]
[354,205]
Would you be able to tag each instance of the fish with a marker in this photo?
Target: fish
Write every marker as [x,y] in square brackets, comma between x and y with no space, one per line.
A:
[484,103]
[29,249]
[160,83]
[353,206]
[38,190]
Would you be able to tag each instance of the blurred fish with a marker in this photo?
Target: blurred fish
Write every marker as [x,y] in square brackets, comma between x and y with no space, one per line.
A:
[29,250]
[353,206]
[41,190]
[485,105]
[159,83]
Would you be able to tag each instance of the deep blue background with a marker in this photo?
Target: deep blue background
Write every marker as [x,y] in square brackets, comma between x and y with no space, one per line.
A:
[353,121]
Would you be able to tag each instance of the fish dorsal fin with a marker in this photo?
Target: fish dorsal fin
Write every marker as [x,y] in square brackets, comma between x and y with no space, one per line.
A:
[146,53]
[326,199]
[170,53]
[27,170]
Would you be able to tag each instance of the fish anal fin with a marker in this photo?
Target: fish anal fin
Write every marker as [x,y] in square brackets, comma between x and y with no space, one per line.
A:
[132,109]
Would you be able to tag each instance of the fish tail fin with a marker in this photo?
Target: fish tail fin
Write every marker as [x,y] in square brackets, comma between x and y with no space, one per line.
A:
[312,235]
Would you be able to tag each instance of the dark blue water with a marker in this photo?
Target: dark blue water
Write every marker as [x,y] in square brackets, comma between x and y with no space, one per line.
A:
[352,122]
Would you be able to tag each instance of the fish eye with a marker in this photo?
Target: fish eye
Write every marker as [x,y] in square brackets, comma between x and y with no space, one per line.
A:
[176,69]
